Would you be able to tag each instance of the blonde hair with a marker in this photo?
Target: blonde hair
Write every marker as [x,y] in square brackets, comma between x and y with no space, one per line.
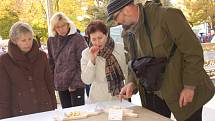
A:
[19,28]
[60,16]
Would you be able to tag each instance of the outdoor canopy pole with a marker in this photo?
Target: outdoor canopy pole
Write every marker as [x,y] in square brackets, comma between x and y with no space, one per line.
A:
[49,12]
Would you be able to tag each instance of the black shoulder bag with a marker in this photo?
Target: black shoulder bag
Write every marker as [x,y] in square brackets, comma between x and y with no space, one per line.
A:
[149,70]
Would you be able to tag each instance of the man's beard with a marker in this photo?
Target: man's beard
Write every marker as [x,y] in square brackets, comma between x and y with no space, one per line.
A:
[126,27]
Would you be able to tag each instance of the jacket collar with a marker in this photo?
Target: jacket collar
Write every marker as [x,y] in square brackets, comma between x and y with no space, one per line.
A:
[72,30]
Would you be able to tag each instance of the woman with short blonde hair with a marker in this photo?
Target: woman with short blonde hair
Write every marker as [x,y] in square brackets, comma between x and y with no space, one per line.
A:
[64,48]
[26,86]
[63,18]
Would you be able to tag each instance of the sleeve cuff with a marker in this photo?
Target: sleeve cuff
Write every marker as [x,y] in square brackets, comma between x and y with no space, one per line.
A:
[189,87]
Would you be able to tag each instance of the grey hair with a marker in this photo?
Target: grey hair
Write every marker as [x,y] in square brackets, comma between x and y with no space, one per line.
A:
[19,28]
[60,16]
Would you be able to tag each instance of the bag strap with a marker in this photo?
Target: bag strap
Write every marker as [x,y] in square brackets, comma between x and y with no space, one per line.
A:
[172,52]
[173,49]
[131,40]
[148,31]
[65,43]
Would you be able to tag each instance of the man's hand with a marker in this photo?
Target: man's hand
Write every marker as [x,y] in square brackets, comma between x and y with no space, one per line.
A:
[186,97]
[127,91]
[94,52]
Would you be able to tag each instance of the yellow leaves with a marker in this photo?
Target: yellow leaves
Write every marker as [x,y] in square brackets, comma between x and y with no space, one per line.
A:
[30,11]
[76,10]
[34,12]
[4,7]
[199,10]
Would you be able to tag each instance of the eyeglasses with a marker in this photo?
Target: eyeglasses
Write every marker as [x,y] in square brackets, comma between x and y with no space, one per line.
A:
[61,26]
[115,15]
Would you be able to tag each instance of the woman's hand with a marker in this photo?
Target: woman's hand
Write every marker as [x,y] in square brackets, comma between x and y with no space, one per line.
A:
[94,52]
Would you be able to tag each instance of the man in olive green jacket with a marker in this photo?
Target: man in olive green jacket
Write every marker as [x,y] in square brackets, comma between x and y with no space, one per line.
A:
[186,86]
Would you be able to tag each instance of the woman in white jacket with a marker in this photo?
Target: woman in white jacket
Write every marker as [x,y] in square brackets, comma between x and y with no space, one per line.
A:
[103,64]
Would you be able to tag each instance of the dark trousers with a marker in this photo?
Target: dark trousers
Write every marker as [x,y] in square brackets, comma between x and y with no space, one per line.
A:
[158,105]
[71,99]
[197,116]
[87,87]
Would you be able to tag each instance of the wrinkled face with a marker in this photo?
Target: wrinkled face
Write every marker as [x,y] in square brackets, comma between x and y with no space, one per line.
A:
[121,17]
[62,28]
[98,39]
[25,42]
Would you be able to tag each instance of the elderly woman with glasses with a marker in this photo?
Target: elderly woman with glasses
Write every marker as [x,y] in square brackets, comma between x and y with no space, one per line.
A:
[64,49]
[103,64]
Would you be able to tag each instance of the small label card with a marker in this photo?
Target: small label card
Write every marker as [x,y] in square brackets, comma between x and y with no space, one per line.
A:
[115,114]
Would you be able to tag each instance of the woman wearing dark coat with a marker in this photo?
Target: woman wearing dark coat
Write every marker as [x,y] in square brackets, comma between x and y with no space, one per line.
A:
[64,48]
[26,86]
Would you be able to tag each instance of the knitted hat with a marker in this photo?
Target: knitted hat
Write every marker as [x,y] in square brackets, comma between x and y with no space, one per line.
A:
[116,5]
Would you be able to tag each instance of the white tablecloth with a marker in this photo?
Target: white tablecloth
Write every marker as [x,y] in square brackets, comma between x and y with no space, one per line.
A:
[49,115]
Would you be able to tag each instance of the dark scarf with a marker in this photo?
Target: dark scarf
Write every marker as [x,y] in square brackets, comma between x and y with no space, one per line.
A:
[113,71]
[20,58]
